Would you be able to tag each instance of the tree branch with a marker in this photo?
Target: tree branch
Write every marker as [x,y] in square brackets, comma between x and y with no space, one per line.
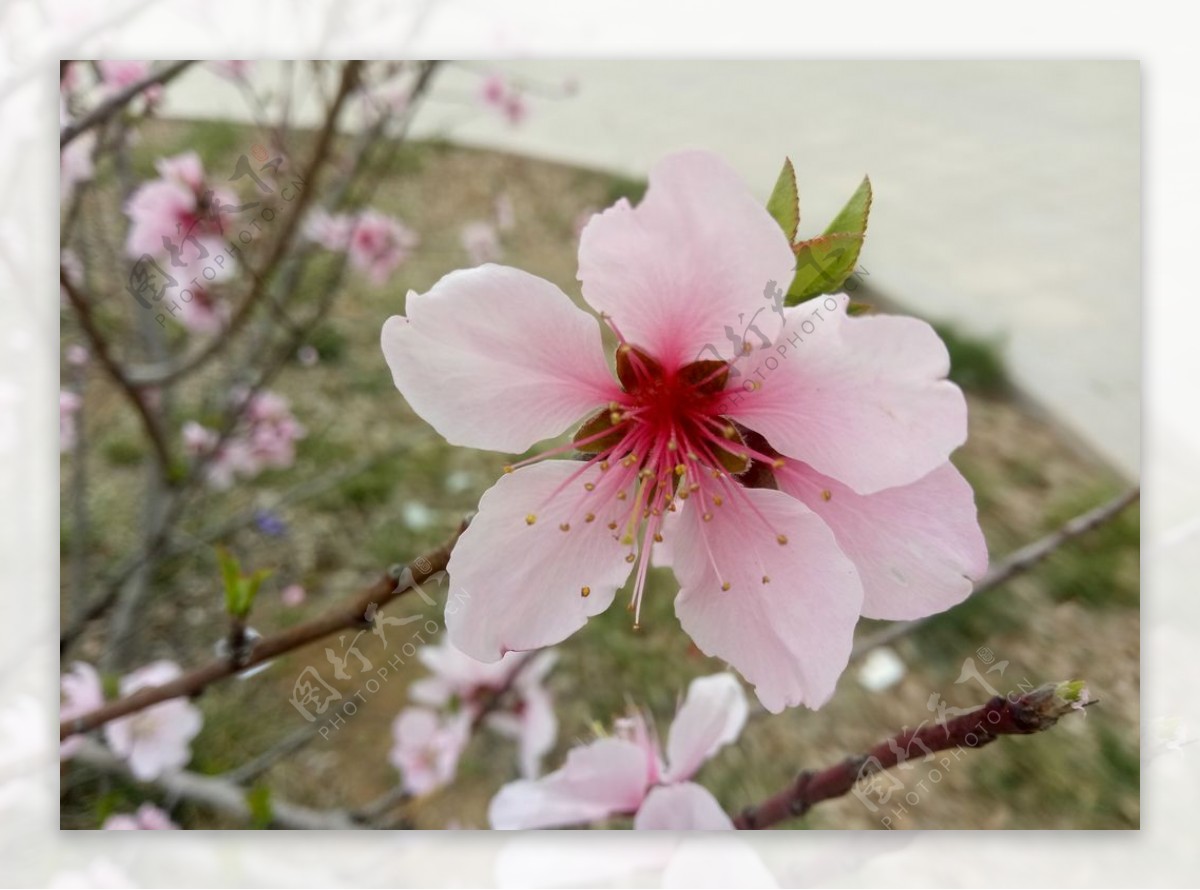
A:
[350,613]
[116,102]
[1035,711]
[1016,563]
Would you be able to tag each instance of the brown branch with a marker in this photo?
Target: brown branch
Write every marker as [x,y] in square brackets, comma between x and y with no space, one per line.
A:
[1034,711]
[133,392]
[117,101]
[350,613]
[1016,563]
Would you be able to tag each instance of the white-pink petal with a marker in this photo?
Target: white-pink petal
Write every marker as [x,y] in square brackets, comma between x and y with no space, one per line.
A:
[683,807]
[605,778]
[519,585]
[791,635]
[712,716]
[688,267]
[918,548]
[496,358]
[864,400]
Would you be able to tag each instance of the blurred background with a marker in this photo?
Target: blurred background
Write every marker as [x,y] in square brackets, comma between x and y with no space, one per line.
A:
[1006,212]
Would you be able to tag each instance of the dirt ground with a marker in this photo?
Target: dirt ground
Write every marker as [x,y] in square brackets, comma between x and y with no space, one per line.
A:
[374,486]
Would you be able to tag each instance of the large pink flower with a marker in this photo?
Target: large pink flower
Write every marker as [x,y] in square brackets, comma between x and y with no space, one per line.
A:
[791,465]
[155,740]
[627,774]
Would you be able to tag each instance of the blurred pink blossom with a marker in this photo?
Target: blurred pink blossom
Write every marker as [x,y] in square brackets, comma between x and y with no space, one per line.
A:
[330,230]
[77,356]
[69,404]
[627,773]
[166,213]
[379,244]
[293,595]
[234,69]
[527,712]
[481,241]
[82,692]
[154,740]
[427,748]
[117,74]
[265,438]
[500,95]
[148,817]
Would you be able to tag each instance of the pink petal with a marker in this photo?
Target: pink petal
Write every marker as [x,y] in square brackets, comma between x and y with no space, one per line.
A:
[711,717]
[790,637]
[514,585]
[917,547]
[688,265]
[685,807]
[602,779]
[863,400]
[496,358]
[538,730]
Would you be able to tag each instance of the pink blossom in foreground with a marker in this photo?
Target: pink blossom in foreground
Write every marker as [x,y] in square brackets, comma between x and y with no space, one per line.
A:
[379,244]
[526,713]
[427,747]
[627,774]
[81,692]
[155,740]
[481,241]
[69,404]
[147,818]
[791,465]
[179,205]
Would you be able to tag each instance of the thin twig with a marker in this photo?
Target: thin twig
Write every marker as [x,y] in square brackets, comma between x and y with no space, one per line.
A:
[1016,563]
[1034,711]
[350,613]
[119,100]
[219,794]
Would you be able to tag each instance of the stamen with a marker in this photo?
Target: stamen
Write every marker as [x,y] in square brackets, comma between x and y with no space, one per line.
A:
[564,526]
[584,591]
[530,519]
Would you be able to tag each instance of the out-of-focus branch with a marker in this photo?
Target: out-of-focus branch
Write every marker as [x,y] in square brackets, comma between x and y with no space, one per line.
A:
[1016,563]
[350,613]
[119,100]
[219,794]
[1035,711]
[133,392]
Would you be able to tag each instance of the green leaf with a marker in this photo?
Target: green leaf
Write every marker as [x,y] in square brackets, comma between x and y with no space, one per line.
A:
[784,203]
[231,575]
[824,263]
[262,814]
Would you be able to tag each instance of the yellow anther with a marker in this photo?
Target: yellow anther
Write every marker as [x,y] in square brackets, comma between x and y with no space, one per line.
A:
[627,539]
[614,417]
[683,495]
[590,486]
[508,468]
[530,519]
[716,474]
[826,495]
[779,463]
[718,500]
[658,537]
[694,487]
[584,591]
[603,465]
[782,539]
[766,579]
[591,517]
[680,469]
[725,585]
[729,432]
[630,558]
[707,517]
[564,526]
[612,525]
[621,495]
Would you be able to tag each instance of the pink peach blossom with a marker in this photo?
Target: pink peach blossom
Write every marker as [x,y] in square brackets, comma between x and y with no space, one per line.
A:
[148,817]
[180,205]
[791,465]
[627,774]
[155,740]
[293,595]
[427,748]
[81,692]
[500,95]
[117,74]
[69,404]
[330,230]
[379,244]
[527,717]
[481,241]
[233,69]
